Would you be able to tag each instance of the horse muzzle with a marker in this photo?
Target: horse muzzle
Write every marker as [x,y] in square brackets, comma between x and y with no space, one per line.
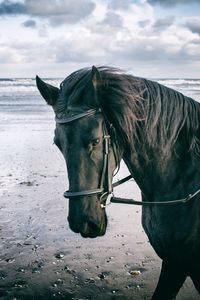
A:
[89,228]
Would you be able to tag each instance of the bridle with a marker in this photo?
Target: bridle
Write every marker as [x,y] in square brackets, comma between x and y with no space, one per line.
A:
[106,187]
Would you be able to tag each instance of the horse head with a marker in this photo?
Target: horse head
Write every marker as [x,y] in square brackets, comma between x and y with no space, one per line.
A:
[84,136]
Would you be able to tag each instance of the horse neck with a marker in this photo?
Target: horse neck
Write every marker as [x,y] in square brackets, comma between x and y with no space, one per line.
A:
[164,177]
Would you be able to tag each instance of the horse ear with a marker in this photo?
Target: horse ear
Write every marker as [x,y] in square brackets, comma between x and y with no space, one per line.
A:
[49,92]
[96,77]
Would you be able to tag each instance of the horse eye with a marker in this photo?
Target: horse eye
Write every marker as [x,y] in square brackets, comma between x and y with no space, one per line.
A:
[95,142]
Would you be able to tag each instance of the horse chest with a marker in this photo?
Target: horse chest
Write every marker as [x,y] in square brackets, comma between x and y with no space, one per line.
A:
[173,232]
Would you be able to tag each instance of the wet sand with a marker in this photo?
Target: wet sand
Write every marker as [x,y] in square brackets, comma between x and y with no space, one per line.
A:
[40,258]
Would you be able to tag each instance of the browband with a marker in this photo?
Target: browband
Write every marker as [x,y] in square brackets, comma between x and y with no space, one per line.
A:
[77,116]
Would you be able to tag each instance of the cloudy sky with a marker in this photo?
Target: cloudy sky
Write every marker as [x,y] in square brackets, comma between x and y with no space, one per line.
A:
[150,38]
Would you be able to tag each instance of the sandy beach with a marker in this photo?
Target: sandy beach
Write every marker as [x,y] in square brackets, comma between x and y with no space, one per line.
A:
[40,258]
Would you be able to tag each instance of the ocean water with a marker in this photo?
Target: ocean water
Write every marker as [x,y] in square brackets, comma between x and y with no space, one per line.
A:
[20,100]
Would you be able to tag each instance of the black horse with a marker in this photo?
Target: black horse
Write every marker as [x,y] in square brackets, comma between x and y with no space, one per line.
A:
[103,116]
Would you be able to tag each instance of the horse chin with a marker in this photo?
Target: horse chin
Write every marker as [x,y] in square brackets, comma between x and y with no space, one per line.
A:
[89,227]
[91,233]
[88,230]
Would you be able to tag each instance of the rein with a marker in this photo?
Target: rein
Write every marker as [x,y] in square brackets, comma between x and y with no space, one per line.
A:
[105,192]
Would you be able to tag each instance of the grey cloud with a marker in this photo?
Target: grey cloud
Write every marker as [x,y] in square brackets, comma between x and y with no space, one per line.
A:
[188,53]
[112,20]
[163,23]
[144,23]
[120,4]
[145,53]
[6,56]
[66,56]
[57,12]
[29,24]
[155,50]
[138,51]
[193,25]
[9,8]
[170,3]
[112,23]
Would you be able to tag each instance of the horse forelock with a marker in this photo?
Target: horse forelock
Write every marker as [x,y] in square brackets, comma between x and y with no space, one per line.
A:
[145,114]
[71,89]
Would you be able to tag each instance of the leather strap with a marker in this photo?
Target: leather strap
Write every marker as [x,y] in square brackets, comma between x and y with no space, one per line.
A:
[122,180]
[69,194]
[162,203]
[77,116]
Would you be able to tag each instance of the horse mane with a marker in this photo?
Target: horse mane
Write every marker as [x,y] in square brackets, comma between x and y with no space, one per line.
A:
[145,113]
